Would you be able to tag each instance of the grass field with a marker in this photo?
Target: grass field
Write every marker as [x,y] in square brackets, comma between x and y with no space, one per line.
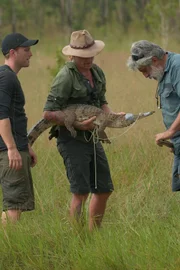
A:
[141,225]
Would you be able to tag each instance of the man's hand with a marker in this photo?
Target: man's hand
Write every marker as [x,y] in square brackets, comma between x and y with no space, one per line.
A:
[86,124]
[15,160]
[161,139]
[33,157]
[163,136]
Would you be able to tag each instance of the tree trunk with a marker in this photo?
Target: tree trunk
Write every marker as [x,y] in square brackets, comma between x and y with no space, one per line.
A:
[123,14]
[164,29]
[104,11]
[69,15]
[13,16]
[62,13]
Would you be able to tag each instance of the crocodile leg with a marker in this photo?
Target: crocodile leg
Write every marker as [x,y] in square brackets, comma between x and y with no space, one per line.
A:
[68,122]
[103,137]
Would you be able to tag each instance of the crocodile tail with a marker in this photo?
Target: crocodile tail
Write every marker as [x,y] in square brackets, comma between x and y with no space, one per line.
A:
[37,129]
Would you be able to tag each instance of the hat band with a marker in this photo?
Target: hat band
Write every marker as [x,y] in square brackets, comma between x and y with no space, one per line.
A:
[82,47]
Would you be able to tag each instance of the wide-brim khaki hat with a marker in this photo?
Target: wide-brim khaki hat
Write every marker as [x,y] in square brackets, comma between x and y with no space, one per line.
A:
[83,45]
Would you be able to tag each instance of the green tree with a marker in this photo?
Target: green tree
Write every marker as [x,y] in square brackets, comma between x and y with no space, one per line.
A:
[160,15]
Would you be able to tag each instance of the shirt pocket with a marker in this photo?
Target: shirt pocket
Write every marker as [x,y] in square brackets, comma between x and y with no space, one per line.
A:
[168,89]
[169,98]
[79,90]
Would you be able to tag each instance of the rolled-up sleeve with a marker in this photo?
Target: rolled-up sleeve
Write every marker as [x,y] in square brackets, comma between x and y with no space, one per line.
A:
[60,91]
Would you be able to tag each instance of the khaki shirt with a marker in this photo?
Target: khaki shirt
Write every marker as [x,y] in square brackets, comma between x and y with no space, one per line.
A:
[69,87]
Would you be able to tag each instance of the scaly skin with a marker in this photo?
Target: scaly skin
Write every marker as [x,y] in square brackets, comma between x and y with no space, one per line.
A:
[81,112]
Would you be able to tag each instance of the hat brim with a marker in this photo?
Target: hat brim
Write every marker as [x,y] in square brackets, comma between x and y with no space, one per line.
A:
[29,43]
[92,51]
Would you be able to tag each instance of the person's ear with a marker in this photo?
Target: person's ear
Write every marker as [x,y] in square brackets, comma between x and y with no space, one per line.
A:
[154,59]
[12,52]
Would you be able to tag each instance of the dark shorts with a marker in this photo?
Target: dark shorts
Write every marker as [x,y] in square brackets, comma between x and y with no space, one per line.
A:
[86,172]
[17,186]
[176,174]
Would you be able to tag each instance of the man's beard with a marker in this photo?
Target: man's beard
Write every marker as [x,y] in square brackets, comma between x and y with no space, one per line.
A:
[157,73]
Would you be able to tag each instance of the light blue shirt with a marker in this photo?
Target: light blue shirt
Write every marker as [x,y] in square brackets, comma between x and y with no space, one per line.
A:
[169,91]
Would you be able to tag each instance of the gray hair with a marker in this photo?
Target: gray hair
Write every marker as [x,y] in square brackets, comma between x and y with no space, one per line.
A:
[142,52]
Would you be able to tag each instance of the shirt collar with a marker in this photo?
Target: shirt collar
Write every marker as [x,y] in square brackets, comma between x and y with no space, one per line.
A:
[167,66]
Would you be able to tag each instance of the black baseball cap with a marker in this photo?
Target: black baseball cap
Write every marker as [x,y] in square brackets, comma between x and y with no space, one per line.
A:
[14,40]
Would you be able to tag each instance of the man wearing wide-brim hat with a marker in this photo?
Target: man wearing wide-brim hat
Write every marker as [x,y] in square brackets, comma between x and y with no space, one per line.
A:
[81,82]
[83,45]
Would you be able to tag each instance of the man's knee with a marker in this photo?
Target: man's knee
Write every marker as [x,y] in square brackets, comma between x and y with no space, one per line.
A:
[11,215]
[104,195]
[80,197]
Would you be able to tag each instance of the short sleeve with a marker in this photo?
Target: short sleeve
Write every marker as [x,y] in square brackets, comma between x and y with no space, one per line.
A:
[6,93]
[176,78]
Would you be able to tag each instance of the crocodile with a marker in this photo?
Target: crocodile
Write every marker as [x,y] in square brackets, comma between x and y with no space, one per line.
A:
[81,112]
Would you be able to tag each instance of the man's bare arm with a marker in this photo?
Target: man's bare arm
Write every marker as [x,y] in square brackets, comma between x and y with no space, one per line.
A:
[6,133]
[15,160]
[175,126]
[169,133]
[106,108]
[57,117]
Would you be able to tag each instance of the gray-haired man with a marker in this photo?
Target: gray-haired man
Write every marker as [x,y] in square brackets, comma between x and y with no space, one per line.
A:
[155,63]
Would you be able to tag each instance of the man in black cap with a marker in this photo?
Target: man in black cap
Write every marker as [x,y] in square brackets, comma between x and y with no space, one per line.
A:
[16,156]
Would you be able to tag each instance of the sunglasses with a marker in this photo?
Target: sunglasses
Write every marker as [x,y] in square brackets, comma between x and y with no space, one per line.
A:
[137,57]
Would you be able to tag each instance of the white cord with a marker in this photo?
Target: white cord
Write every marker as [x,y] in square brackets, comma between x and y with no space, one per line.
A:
[95,137]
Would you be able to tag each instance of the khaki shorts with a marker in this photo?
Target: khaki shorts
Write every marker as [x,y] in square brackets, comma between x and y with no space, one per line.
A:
[17,186]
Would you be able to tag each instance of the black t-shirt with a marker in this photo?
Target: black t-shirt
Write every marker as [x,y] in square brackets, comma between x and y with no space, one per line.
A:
[12,103]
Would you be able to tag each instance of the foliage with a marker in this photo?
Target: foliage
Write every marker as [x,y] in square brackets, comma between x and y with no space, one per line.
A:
[60,60]
[158,16]
[162,17]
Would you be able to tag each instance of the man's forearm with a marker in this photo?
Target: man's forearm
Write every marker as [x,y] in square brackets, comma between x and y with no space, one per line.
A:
[175,126]
[106,108]
[56,117]
[6,133]
[169,133]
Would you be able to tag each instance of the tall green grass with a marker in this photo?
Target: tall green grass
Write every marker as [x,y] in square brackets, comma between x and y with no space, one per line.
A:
[140,229]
